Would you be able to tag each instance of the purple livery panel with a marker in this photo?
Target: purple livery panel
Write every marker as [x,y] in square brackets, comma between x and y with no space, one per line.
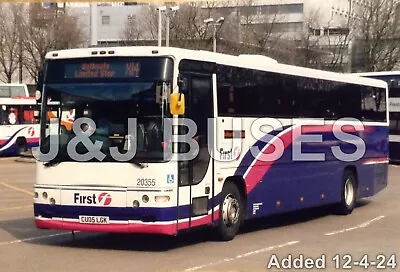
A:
[286,181]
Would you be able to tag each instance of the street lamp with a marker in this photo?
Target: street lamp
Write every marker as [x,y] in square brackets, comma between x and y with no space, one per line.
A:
[219,22]
[160,10]
[168,15]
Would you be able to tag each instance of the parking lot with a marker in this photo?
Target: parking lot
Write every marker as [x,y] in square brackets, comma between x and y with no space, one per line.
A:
[372,229]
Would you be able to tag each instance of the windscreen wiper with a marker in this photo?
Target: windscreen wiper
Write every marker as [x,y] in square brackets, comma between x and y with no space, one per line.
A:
[51,163]
[141,165]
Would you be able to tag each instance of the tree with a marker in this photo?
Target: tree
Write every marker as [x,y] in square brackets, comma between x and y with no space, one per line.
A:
[132,30]
[47,30]
[339,41]
[378,36]
[187,27]
[307,50]
[10,30]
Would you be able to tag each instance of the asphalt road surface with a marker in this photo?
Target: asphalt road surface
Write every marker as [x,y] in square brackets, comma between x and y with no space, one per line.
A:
[371,235]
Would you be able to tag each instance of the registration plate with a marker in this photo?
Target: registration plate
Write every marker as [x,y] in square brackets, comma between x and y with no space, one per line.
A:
[85,219]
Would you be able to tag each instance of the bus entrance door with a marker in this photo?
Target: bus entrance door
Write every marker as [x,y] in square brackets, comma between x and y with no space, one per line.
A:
[196,175]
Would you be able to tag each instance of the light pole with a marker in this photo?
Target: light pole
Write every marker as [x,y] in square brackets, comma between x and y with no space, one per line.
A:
[93,24]
[219,22]
[168,15]
[160,10]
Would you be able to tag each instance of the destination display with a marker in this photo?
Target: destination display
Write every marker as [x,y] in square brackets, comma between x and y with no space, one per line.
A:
[102,70]
[108,69]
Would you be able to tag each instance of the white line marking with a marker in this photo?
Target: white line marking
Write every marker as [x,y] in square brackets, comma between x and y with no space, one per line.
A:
[16,208]
[34,238]
[363,225]
[15,200]
[242,256]
[16,188]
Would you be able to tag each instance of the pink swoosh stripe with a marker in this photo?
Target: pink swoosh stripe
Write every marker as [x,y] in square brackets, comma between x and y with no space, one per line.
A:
[261,167]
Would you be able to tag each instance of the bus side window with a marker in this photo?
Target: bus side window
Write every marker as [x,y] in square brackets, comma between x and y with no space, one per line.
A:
[12,114]
[3,115]
[28,115]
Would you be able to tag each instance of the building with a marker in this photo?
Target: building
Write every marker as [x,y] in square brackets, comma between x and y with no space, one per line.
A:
[322,23]
[111,17]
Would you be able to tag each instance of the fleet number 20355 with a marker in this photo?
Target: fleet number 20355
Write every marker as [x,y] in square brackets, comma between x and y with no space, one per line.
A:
[146,182]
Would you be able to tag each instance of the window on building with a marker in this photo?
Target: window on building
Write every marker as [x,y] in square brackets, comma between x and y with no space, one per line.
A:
[105,20]
[131,19]
[336,31]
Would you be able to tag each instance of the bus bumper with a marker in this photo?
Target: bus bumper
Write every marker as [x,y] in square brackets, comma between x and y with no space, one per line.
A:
[123,227]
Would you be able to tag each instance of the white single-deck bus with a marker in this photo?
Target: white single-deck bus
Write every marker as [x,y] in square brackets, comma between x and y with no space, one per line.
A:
[246,167]
[10,90]
[393,80]
[19,129]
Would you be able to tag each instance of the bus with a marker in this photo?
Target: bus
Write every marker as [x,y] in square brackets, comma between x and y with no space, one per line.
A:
[393,80]
[10,90]
[19,129]
[268,138]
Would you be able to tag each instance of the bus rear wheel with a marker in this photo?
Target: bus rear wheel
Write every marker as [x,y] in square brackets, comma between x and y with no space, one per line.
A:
[230,212]
[348,193]
[21,146]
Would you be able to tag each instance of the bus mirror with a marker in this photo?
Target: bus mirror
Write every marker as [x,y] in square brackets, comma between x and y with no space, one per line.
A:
[177,104]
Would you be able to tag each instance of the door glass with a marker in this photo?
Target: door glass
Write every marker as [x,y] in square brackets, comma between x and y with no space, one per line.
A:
[199,108]
[201,111]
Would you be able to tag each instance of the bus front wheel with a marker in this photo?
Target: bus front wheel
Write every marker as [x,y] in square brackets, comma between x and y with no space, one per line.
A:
[231,211]
[348,193]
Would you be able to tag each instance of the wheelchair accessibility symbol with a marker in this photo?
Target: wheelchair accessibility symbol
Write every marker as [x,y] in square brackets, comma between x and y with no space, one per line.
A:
[170,179]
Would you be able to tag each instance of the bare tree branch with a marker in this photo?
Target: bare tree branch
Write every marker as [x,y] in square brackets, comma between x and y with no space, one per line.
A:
[379,35]
[45,31]
[10,17]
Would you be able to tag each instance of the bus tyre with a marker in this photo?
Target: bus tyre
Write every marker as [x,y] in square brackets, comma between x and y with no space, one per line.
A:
[230,212]
[348,193]
[21,146]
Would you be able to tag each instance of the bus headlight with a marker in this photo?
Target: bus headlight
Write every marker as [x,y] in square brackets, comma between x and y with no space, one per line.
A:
[145,198]
[44,195]
[52,201]
[135,204]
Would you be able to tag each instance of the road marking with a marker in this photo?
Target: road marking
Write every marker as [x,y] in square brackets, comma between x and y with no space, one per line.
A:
[363,225]
[15,208]
[242,256]
[16,188]
[34,238]
[7,200]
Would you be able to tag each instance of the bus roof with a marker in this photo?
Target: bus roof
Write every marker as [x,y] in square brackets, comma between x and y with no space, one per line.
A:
[18,101]
[244,61]
[381,73]
[12,84]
